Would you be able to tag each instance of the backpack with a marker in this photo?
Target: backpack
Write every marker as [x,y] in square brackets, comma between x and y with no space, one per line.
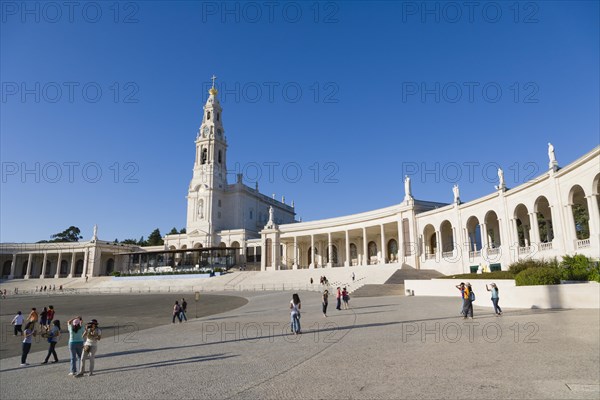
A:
[472,296]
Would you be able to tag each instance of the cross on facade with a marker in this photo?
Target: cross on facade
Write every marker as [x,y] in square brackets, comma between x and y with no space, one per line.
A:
[213,80]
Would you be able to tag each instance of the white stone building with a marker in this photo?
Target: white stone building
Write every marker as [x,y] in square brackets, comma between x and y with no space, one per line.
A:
[535,219]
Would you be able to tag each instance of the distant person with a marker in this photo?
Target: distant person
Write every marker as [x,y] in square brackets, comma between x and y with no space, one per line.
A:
[461,287]
[495,298]
[295,307]
[44,317]
[325,302]
[60,288]
[86,279]
[28,335]
[469,297]
[353,276]
[345,298]
[50,315]
[311,280]
[53,335]
[176,311]
[45,287]
[92,335]
[338,298]
[17,321]
[54,288]
[75,342]
[183,310]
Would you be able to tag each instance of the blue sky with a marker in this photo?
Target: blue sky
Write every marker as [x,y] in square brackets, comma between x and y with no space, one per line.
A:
[355,94]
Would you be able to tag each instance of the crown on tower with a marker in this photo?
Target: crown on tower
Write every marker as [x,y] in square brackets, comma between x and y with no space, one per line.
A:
[213,91]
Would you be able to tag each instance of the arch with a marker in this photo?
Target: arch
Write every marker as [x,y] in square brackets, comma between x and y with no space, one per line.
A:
[447,236]
[310,261]
[79,267]
[172,247]
[353,254]
[581,213]
[208,115]
[64,267]
[493,229]
[334,255]
[392,249]
[372,249]
[183,247]
[110,266]
[544,219]
[521,216]
[6,268]
[237,252]
[429,239]
[204,156]
[474,233]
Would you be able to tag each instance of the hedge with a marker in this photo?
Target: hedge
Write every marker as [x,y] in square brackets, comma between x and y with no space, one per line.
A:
[486,275]
[538,276]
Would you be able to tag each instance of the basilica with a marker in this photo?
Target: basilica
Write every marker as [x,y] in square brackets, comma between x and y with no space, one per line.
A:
[554,214]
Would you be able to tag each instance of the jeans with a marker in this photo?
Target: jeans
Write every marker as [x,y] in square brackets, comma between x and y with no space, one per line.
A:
[91,355]
[177,315]
[339,304]
[462,307]
[468,308]
[18,329]
[51,352]
[76,349]
[325,308]
[182,316]
[497,308]
[295,322]
[26,348]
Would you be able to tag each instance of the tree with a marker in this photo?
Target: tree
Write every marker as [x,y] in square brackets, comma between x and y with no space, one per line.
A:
[581,217]
[141,242]
[71,234]
[173,231]
[155,238]
[130,241]
[182,230]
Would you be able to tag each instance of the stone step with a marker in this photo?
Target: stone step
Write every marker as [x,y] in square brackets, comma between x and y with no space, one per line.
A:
[400,275]
[379,290]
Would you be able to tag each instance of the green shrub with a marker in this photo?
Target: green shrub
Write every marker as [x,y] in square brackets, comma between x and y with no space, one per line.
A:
[487,275]
[538,276]
[522,265]
[576,268]
[115,273]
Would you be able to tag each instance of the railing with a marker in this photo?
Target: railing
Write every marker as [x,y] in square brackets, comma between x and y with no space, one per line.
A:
[545,246]
[525,250]
[429,256]
[448,254]
[494,251]
[474,254]
[583,244]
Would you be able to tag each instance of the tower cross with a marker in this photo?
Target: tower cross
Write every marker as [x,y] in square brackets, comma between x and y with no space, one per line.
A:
[213,80]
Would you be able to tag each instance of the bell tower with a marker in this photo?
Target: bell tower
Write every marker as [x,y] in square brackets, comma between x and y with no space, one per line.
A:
[209,178]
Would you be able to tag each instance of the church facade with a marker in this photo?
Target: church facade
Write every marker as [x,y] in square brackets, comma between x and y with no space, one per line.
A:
[554,214]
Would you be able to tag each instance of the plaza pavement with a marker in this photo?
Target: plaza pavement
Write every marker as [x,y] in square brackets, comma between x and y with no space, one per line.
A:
[375,350]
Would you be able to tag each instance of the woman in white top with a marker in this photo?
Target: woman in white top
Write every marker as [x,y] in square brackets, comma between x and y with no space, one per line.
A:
[295,307]
[91,335]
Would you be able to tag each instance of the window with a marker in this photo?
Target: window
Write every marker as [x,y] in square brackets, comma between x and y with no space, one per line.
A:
[208,115]
[251,214]
[218,116]
[220,156]
[204,156]
[219,202]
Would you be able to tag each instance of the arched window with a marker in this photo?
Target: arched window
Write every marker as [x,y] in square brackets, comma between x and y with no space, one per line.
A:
[353,251]
[372,249]
[392,248]
[204,156]
[220,156]
[208,115]
[218,116]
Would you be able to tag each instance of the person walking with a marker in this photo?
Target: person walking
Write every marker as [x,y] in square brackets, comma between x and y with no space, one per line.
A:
[345,298]
[44,317]
[338,298]
[92,335]
[50,315]
[53,335]
[176,311]
[325,302]
[469,297]
[495,298]
[75,342]
[28,335]
[33,316]
[353,276]
[295,307]
[311,280]
[17,321]
[183,310]
[461,287]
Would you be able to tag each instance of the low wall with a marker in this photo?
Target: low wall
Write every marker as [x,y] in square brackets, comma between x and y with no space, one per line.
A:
[159,277]
[572,295]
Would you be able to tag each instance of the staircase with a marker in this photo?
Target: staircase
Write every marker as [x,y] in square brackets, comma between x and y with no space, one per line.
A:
[394,286]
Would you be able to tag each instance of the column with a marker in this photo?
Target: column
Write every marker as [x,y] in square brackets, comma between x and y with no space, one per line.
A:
[329,251]
[312,252]
[485,240]
[515,233]
[295,256]
[535,229]
[43,274]
[85,263]
[72,269]
[13,267]
[383,249]
[401,250]
[57,275]
[593,214]
[29,260]
[438,245]
[365,249]
[571,234]
[348,261]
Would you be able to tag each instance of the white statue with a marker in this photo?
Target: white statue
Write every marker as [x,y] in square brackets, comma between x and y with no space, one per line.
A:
[407,193]
[271,217]
[552,164]
[95,234]
[456,194]
[501,183]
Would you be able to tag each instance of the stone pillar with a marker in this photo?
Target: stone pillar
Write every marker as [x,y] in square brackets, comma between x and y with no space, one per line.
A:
[57,275]
[29,261]
[43,274]
[312,252]
[85,263]
[295,256]
[13,267]
[515,232]
[348,261]
[365,248]
[438,245]
[535,229]
[329,251]
[485,240]
[571,233]
[72,266]
[383,247]
[401,249]
[594,215]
